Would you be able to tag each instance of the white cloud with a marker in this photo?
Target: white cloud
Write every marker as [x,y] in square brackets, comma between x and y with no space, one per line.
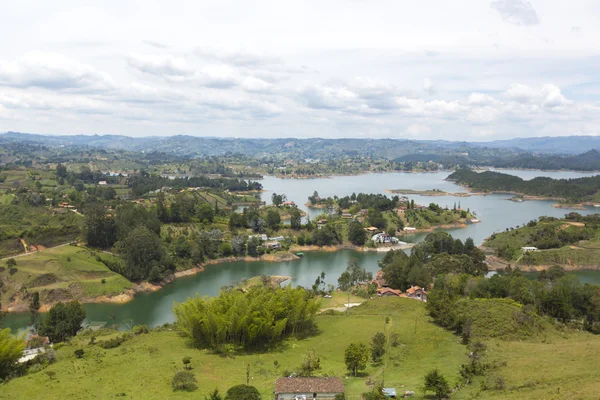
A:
[548,95]
[52,71]
[163,66]
[518,12]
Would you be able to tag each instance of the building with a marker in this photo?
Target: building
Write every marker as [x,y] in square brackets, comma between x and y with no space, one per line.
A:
[416,292]
[371,229]
[289,204]
[386,291]
[527,249]
[262,237]
[273,245]
[102,183]
[308,388]
[409,229]
[346,215]
[384,238]
[390,393]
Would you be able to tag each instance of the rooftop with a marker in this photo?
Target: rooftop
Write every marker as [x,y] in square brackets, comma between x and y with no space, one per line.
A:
[309,385]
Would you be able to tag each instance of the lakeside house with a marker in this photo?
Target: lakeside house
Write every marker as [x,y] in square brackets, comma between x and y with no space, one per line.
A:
[304,388]
[346,215]
[288,204]
[272,245]
[409,229]
[527,249]
[384,238]
[371,229]
[102,183]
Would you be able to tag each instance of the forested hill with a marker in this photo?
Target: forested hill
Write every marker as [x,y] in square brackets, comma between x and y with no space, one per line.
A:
[575,190]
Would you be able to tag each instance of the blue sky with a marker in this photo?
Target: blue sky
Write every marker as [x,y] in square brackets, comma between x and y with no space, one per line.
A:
[460,70]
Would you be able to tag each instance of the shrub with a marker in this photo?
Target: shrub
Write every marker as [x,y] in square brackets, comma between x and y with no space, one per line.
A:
[139,329]
[12,271]
[242,392]
[11,262]
[184,380]
[78,353]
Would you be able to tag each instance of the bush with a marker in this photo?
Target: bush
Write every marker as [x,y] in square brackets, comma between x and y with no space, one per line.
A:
[184,380]
[78,353]
[11,262]
[242,392]
[139,329]
[435,382]
[12,271]
[113,342]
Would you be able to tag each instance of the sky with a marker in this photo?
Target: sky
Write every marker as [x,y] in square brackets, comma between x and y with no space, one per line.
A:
[475,70]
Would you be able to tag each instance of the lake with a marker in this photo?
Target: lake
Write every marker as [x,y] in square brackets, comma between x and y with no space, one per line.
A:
[495,211]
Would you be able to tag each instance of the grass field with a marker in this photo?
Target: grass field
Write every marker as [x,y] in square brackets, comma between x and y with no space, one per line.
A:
[62,273]
[143,366]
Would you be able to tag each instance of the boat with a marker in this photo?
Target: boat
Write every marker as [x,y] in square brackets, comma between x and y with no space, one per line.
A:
[300,254]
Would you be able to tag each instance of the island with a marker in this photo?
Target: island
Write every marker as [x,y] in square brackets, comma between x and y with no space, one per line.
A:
[572,242]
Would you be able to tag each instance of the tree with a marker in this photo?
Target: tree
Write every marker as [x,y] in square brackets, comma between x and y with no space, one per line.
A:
[295,219]
[101,229]
[273,219]
[61,171]
[356,234]
[63,321]
[310,363]
[214,395]
[11,349]
[356,357]
[278,199]
[34,305]
[242,392]
[253,244]
[184,380]
[436,383]
[354,273]
[162,212]
[11,263]
[378,347]
[186,362]
[79,353]
[376,219]
[141,251]
[205,213]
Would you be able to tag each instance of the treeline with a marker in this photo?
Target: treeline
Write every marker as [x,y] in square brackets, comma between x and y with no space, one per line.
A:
[144,183]
[554,294]
[578,189]
[438,254]
[258,318]
[378,202]
[589,161]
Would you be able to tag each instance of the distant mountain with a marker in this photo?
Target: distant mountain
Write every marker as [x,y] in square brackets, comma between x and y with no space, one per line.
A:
[552,145]
[414,150]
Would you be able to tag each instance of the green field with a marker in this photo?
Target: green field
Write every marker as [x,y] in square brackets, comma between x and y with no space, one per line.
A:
[61,273]
[143,366]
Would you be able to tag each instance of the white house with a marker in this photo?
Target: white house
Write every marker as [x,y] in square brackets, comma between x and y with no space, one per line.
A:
[308,388]
[527,249]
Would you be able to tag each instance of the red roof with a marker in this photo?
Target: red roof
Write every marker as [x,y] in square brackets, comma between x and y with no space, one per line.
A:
[309,385]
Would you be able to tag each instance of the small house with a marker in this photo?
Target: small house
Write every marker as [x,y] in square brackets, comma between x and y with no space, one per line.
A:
[409,229]
[371,229]
[416,292]
[386,292]
[346,216]
[306,388]
[289,204]
[273,245]
[102,183]
[527,249]
[263,237]
[390,393]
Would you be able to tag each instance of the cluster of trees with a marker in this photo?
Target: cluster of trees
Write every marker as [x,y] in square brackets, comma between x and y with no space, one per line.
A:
[554,293]
[134,232]
[578,189]
[143,183]
[358,201]
[353,274]
[258,318]
[438,254]
[185,207]
[589,161]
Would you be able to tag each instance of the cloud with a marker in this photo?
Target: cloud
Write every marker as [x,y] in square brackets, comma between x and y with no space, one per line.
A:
[237,58]
[517,12]
[253,84]
[549,96]
[53,71]
[163,66]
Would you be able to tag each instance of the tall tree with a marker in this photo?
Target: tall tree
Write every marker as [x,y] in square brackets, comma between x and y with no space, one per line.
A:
[435,382]
[310,363]
[378,347]
[63,321]
[356,357]
[295,219]
[11,349]
[356,233]
[101,230]
[142,252]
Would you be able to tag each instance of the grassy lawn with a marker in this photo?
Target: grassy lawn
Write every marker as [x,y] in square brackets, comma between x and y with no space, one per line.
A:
[65,271]
[553,366]
[143,366]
